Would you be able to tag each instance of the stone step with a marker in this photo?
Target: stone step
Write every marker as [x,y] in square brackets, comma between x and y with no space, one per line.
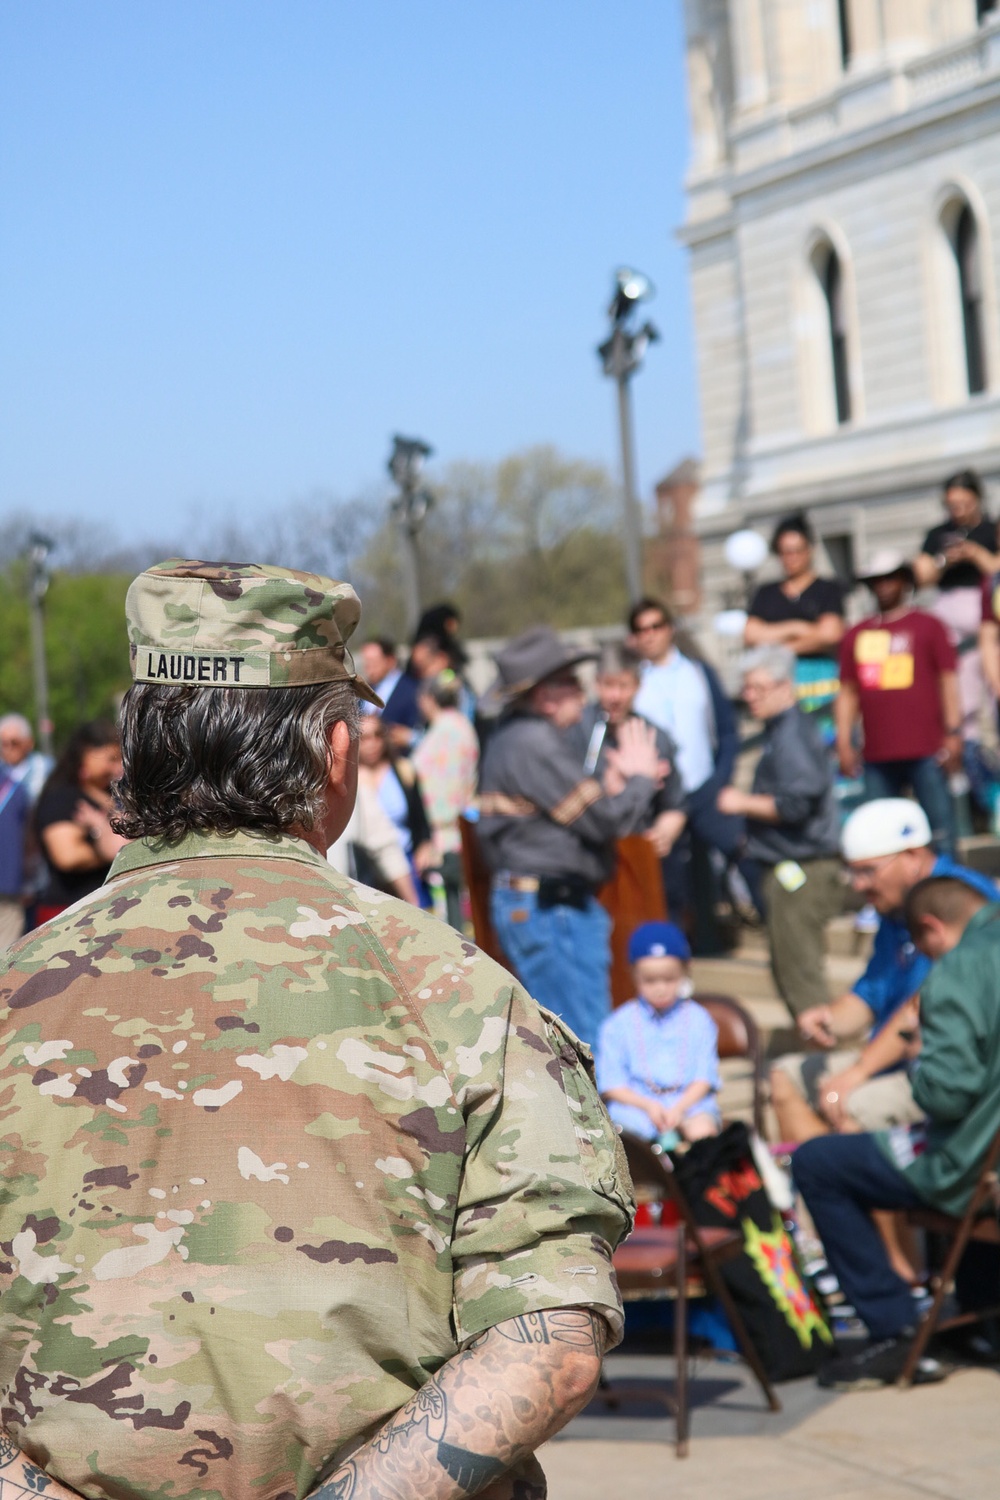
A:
[842,939]
[982,852]
[748,977]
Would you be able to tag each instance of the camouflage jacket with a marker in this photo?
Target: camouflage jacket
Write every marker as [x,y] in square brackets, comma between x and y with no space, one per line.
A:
[273,1145]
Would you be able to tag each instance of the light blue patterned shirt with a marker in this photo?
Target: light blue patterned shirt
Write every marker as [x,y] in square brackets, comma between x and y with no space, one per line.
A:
[657,1053]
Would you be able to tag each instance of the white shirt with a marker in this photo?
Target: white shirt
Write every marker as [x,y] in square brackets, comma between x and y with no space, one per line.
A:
[674,694]
[370,827]
[384,690]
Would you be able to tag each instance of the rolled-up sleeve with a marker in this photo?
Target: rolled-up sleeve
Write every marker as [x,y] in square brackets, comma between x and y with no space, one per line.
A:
[545,1194]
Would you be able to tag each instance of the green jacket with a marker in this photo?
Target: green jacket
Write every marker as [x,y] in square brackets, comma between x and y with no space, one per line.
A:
[957,1082]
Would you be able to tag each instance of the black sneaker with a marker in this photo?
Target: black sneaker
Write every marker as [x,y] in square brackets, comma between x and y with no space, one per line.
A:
[879,1363]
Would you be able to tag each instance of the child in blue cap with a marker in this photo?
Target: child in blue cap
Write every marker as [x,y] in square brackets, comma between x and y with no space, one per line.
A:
[657,1055]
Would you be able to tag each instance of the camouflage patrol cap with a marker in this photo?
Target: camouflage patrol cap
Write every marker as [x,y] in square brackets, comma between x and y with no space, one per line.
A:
[218,624]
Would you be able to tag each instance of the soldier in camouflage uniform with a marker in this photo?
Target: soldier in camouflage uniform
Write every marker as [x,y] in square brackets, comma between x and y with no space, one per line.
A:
[300,1189]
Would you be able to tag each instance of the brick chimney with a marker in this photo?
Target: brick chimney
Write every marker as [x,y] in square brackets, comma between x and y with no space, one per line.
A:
[674,554]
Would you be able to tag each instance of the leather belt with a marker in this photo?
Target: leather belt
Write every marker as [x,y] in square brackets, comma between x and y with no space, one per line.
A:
[505,881]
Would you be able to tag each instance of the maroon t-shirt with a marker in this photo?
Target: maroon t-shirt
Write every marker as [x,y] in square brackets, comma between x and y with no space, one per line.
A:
[897,667]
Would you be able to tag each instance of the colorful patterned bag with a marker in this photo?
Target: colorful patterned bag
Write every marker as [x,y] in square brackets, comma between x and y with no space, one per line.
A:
[722,1185]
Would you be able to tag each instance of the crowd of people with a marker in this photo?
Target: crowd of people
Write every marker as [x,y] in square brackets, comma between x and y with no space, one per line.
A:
[857,732]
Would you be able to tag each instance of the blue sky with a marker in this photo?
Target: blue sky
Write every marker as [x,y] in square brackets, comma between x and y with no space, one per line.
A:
[241,243]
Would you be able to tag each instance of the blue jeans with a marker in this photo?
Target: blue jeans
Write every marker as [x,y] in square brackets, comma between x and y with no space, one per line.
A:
[927,781]
[842,1178]
[561,955]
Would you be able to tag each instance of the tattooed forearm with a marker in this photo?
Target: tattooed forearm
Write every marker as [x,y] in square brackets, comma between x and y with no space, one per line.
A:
[560,1325]
[341,1486]
[473,1428]
[19,1477]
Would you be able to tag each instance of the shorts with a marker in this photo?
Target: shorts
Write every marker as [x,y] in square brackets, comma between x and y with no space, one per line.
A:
[880,1103]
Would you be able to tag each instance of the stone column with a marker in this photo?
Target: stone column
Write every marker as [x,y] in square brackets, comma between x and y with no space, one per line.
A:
[753,87]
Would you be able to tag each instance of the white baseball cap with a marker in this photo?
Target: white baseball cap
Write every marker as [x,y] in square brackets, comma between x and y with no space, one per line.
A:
[884,563]
[885,826]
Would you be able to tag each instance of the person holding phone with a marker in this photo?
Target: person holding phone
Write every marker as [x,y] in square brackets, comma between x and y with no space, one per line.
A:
[956,556]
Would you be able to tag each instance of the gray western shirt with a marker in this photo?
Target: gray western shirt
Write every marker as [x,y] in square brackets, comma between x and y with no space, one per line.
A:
[795,770]
[539,815]
[668,797]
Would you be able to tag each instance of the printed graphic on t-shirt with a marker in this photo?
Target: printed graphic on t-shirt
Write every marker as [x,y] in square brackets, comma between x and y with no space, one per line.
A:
[884,658]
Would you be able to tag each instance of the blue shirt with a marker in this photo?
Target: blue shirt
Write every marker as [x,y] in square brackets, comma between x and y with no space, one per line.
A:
[675,696]
[657,1053]
[14,809]
[896,970]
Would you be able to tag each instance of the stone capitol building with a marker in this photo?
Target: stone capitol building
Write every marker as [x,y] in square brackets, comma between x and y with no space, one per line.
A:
[843,226]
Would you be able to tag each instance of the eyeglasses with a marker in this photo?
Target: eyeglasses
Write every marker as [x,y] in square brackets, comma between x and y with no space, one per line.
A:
[865,874]
[649,628]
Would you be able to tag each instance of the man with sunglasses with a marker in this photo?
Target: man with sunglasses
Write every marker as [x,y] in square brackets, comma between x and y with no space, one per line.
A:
[886,845]
[685,698]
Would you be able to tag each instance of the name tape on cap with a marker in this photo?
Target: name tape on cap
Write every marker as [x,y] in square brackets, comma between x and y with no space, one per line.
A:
[202,667]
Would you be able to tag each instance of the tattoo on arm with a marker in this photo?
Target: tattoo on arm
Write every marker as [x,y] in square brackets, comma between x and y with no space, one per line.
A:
[474,1426]
[341,1486]
[470,1471]
[19,1476]
[560,1325]
[35,1481]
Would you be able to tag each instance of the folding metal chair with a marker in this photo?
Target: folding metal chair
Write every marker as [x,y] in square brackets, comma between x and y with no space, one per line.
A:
[979,1222]
[739,1036]
[670,1262]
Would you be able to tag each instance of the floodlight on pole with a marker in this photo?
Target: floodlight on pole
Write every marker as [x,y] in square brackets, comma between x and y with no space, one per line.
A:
[38,550]
[409,510]
[621,355]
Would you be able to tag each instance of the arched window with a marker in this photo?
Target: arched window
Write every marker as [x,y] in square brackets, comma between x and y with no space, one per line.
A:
[832,282]
[965,242]
[830,387]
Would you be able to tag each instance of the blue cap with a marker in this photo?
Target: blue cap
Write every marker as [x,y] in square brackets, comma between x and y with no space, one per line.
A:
[658,940]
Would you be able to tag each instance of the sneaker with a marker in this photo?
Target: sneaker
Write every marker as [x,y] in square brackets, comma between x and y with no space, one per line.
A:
[879,1363]
[922,1299]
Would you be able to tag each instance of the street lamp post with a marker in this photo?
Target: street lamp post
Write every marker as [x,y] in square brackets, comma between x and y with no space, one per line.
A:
[621,355]
[39,547]
[409,509]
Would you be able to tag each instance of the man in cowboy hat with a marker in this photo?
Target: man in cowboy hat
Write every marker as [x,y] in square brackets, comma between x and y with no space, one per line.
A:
[261,1228]
[548,832]
[898,676]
